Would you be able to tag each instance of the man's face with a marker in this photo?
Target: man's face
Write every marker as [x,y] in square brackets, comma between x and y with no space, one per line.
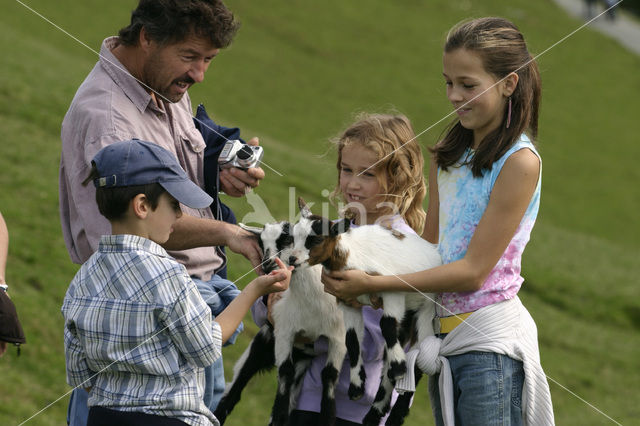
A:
[171,69]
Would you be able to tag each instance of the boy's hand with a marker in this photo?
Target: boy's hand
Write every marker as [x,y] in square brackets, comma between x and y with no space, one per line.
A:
[277,280]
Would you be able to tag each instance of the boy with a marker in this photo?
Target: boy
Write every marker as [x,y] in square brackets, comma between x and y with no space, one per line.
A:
[137,332]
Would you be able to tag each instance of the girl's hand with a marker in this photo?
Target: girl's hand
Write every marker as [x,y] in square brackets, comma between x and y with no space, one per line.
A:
[277,280]
[346,285]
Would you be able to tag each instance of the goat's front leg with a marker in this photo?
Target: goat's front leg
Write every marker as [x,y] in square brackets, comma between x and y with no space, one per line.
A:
[286,374]
[354,325]
[335,358]
[302,357]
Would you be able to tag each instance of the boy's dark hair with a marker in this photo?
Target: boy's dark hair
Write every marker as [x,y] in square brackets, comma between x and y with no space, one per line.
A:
[172,21]
[113,202]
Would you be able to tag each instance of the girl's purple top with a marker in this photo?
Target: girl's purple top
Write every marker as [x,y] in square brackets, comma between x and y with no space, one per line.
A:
[463,201]
[371,347]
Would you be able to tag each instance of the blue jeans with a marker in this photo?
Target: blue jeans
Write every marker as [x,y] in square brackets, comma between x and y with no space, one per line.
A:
[78,411]
[487,390]
[217,293]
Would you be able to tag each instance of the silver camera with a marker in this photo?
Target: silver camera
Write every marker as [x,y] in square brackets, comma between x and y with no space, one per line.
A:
[240,155]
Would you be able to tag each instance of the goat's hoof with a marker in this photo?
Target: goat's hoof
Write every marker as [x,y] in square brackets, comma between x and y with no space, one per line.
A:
[397,370]
[372,418]
[355,392]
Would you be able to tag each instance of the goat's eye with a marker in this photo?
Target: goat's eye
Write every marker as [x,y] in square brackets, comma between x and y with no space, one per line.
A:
[285,241]
[312,241]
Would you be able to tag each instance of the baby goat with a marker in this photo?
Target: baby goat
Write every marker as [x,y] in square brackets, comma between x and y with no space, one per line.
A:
[304,309]
[378,251]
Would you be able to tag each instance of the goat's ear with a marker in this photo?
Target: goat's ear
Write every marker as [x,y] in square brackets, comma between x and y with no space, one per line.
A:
[339,227]
[253,229]
[304,210]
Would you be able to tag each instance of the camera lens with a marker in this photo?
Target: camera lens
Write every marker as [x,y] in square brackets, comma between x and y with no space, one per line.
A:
[244,156]
[245,153]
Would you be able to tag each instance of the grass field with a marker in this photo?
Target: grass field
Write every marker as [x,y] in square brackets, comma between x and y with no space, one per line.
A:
[295,76]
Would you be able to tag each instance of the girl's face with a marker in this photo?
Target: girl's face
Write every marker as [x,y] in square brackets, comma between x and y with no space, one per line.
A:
[467,79]
[359,184]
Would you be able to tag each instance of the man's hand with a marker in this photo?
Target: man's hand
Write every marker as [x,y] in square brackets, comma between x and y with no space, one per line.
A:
[237,182]
[245,243]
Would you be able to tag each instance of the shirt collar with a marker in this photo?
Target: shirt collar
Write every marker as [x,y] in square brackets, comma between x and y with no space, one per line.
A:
[127,242]
[122,77]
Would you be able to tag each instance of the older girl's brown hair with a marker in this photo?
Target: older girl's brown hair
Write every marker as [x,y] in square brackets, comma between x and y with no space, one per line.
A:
[400,167]
[502,49]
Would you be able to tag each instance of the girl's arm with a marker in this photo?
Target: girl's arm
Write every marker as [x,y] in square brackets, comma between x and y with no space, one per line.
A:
[4,248]
[509,200]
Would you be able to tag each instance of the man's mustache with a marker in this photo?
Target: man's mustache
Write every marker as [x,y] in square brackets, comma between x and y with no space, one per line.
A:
[186,79]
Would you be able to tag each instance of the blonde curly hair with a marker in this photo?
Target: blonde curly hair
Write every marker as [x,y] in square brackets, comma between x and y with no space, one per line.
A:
[399,170]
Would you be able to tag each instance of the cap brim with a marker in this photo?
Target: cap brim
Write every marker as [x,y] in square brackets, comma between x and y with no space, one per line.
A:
[188,193]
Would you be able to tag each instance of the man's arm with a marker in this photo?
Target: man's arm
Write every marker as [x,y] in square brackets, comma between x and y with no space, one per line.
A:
[189,232]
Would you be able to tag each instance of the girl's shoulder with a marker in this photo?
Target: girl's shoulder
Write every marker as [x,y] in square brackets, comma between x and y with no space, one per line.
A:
[522,143]
[522,159]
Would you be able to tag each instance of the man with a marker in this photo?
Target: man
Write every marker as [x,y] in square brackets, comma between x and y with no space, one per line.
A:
[138,89]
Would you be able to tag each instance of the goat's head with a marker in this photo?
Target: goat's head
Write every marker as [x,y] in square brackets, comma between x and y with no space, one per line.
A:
[316,239]
[275,240]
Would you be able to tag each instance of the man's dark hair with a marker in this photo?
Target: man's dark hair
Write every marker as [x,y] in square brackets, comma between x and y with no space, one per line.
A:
[113,202]
[172,21]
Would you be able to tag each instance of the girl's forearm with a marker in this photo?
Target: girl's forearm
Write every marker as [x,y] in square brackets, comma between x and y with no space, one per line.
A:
[458,276]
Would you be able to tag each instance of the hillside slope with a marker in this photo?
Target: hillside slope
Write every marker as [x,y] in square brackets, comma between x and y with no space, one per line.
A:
[295,76]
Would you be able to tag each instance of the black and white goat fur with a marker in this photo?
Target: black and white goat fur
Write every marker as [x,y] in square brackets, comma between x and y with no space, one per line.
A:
[378,251]
[304,309]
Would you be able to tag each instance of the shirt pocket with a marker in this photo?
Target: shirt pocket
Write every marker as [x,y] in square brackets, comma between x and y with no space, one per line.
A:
[192,139]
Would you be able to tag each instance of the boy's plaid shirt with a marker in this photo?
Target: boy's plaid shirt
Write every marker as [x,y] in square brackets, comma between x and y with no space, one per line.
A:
[138,332]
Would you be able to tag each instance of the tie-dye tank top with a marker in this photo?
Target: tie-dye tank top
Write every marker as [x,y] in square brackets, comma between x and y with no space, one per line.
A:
[463,201]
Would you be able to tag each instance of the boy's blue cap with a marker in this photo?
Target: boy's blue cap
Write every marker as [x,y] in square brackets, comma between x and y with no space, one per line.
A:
[137,162]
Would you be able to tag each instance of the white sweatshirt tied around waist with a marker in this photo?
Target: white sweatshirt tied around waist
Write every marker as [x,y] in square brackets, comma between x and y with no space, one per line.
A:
[504,328]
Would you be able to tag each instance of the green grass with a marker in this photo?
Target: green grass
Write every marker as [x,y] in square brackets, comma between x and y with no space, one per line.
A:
[295,76]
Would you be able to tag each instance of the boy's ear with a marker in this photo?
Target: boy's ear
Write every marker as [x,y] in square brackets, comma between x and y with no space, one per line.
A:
[257,231]
[510,83]
[339,227]
[140,206]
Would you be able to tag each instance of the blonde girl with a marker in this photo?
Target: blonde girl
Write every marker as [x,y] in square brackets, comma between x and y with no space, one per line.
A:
[380,172]
[380,180]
